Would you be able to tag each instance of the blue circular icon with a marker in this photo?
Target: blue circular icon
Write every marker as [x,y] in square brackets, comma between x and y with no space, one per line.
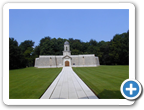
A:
[131,89]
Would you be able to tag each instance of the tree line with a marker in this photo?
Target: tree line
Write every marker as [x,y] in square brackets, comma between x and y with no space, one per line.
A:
[113,52]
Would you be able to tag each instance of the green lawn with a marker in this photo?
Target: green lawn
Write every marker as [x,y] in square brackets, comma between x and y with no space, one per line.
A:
[104,81]
[30,83]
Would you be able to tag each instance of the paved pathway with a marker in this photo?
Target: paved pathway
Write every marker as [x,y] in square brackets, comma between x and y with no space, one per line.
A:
[68,85]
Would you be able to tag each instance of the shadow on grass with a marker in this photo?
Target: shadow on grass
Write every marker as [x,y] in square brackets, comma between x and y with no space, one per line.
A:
[109,94]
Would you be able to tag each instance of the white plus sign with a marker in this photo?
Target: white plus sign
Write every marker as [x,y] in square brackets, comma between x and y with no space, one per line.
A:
[131,89]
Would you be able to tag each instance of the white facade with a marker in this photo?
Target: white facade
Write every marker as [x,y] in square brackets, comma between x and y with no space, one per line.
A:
[66,60]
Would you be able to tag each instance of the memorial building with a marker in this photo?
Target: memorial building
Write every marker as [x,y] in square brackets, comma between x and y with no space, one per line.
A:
[66,60]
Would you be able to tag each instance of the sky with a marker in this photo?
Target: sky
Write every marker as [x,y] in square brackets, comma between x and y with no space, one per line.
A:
[82,24]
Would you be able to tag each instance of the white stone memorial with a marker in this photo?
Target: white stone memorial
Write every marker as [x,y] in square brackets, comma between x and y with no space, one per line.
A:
[66,60]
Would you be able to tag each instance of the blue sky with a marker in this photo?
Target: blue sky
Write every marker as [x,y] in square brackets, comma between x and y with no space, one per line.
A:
[83,24]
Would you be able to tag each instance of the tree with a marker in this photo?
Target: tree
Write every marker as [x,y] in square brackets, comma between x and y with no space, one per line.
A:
[75,52]
[26,44]
[27,52]
[93,42]
[36,51]
[119,49]
[114,52]
[76,46]
[45,46]
[14,54]
[60,43]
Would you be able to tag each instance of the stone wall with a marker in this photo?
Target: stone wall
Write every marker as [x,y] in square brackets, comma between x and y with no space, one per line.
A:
[83,60]
[36,62]
[97,61]
[58,61]
[90,60]
[75,60]
[48,61]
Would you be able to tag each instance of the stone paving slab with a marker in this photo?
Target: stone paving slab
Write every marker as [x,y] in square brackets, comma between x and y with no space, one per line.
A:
[68,85]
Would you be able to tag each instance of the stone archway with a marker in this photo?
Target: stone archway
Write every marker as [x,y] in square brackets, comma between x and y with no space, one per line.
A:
[66,63]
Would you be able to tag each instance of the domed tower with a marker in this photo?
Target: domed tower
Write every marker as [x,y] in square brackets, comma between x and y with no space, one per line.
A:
[66,49]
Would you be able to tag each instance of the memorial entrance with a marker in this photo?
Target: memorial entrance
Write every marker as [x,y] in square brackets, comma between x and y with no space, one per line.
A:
[66,63]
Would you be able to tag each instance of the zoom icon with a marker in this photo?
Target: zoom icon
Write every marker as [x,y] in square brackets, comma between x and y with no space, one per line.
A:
[131,89]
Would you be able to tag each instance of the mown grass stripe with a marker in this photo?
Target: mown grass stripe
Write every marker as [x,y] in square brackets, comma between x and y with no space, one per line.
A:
[30,83]
[105,81]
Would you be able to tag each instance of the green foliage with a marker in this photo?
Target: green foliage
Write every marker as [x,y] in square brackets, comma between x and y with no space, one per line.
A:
[22,55]
[14,54]
[50,46]
[114,52]
[26,44]
[27,52]
[75,52]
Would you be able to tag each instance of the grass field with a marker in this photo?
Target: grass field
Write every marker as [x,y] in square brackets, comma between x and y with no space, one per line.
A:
[30,83]
[104,81]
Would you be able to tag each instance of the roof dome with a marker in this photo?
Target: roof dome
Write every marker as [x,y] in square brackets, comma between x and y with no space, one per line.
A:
[66,43]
